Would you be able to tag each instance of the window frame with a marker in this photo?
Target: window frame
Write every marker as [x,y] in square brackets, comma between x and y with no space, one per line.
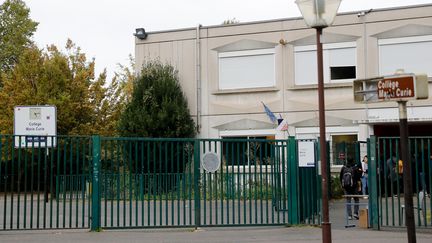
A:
[398,41]
[222,84]
[245,138]
[327,48]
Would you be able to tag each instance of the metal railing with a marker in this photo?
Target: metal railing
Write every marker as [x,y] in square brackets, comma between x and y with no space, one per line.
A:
[113,182]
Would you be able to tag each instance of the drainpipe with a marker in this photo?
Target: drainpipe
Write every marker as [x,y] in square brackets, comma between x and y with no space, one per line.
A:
[363,16]
[198,78]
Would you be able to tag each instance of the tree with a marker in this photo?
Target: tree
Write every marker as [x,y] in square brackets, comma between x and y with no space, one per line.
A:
[158,107]
[110,106]
[65,80]
[16,30]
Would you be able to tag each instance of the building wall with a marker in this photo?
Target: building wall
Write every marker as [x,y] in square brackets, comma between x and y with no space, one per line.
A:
[222,112]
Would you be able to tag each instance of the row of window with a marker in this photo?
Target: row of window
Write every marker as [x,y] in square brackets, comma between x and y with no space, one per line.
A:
[256,68]
[262,150]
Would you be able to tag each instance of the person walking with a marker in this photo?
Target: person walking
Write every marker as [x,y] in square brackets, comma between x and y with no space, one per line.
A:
[350,176]
[364,178]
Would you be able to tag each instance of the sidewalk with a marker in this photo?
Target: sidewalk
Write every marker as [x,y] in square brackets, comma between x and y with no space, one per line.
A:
[211,235]
[218,234]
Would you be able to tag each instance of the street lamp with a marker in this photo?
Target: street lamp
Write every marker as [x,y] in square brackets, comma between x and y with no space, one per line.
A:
[319,14]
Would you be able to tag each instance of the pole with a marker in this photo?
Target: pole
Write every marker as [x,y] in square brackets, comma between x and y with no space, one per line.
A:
[95,199]
[326,225]
[408,193]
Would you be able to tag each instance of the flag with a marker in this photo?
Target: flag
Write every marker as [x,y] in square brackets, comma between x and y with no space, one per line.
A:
[269,113]
[283,126]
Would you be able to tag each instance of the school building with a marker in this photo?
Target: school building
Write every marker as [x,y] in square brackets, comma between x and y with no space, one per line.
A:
[228,71]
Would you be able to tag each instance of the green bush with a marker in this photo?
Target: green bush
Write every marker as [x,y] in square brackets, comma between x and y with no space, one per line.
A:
[336,188]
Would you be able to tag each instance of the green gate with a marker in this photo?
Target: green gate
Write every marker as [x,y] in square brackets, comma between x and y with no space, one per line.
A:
[44,188]
[112,182]
[386,180]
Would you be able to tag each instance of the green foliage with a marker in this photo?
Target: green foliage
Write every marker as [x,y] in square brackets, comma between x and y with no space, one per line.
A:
[50,77]
[336,188]
[16,30]
[113,103]
[158,107]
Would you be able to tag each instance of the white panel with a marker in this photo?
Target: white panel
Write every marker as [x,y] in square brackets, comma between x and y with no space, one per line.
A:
[392,114]
[247,53]
[329,130]
[411,57]
[306,68]
[338,54]
[258,132]
[342,57]
[252,71]
[410,39]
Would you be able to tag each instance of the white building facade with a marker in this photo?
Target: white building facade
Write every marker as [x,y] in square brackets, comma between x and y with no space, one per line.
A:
[228,71]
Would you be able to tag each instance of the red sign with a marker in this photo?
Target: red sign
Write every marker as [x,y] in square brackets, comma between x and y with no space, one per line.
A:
[396,88]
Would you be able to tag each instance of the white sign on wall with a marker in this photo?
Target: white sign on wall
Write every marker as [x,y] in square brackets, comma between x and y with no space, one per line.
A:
[35,126]
[306,153]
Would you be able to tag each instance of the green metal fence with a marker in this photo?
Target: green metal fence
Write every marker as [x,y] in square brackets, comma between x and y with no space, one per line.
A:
[44,188]
[386,180]
[110,182]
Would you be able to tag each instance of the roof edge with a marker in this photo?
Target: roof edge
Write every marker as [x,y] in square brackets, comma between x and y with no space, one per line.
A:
[285,19]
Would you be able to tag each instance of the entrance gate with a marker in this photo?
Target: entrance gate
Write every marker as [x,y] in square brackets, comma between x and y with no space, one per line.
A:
[386,181]
[44,188]
[101,182]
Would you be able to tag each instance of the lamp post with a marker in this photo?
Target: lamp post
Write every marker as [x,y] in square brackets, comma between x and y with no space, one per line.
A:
[319,14]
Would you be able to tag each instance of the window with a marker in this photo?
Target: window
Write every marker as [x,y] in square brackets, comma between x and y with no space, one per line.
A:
[339,61]
[344,72]
[412,54]
[247,69]
[247,150]
[343,146]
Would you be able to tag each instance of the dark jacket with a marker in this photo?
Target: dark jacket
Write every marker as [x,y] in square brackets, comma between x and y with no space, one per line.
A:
[357,174]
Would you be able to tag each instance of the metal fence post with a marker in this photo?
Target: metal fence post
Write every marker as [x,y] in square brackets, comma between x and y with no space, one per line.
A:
[197,174]
[292,173]
[95,219]
[373,183]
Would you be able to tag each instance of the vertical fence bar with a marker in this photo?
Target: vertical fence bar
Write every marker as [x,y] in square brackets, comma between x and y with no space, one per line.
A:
[130,175]
[25,183]
[165,181]
[45,168]
[118,180]
[83,182]
[5,181]
[197,174]
[241,161]
[204,191]
[136,180]
[70,184]
[221,178]
[373,189]
[95,223]
[51,183]
[38,184]
[18,183]
[429,158]
[244,193]
[292,177]
[12,182]
[159,191]
[57,192]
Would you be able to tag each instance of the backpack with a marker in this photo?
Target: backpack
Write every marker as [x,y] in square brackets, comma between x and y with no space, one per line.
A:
[348,178]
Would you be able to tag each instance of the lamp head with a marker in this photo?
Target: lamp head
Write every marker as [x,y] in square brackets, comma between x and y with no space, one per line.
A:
[140,33]
[318,13]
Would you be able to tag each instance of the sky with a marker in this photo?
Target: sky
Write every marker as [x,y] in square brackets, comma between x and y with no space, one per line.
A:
[104,28]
